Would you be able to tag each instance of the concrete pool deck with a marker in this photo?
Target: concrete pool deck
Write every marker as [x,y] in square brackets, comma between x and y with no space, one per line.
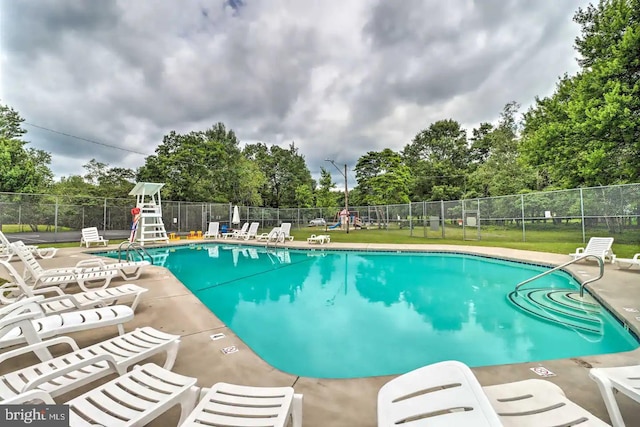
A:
[169,306]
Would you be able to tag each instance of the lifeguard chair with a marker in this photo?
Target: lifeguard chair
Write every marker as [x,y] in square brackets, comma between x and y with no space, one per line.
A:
[148,228]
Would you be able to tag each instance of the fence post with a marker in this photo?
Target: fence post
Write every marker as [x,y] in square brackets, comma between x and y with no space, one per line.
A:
[424,219]
[298,218]
[442,216]
[104,215]
[410,222]
[55,222]
[387,219]
[584,237]
[478,219]
[524,237]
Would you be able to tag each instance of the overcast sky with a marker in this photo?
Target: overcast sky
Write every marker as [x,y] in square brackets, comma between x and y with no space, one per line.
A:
[339,78]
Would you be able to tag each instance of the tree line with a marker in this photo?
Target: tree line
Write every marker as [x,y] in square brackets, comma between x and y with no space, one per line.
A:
[587,133]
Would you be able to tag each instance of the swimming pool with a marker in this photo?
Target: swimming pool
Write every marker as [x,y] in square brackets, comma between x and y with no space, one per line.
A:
[347,314]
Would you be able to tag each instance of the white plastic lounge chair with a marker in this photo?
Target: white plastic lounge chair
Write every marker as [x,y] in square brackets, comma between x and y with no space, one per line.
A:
[448,394]
[285,229]
[235,233]
[271,236]
[252,232]
[82,366]
[537,403]
[598,246]
[92,271]
[625,379]
[25,321]
[7,250]
[91,236]
[320,239]
[213,231]
[133,399]
[234,405]
[627,262]
[441,394]
[11,291]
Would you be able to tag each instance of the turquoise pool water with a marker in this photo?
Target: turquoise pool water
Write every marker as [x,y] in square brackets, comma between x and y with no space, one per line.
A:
[343,314]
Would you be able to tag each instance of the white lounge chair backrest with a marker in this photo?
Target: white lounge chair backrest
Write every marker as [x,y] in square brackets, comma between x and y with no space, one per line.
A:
[31,264]
[90,235]
[7,250]
[252,232]
[213,231]
[598,246]
[285,228]
[436,393]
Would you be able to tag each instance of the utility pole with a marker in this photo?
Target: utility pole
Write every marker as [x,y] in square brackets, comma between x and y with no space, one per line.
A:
[346,189]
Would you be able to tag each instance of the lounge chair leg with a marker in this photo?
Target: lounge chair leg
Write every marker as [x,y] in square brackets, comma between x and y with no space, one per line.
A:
[188,403]
[606,389]
[296,412]
[120,329]
[172,353]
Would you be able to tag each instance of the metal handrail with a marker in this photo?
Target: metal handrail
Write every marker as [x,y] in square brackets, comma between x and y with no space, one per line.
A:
[600,263]
[135,247]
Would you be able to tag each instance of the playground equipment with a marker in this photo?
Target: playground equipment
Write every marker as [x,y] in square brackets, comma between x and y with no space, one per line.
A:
[344,217]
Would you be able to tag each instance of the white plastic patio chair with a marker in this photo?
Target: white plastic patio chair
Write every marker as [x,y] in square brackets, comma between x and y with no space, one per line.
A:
[7,250]
[444,394]
[251,233]
[10,292]
[598,246]
[271,236]
[25,321]
[285,229]
[92,271]
[91,236]
[627,262]
[448,394]
[237,406]
[213,231]
[133,399]
[319,239]
[537,403]
[67,372]
[625,379]
[235,233]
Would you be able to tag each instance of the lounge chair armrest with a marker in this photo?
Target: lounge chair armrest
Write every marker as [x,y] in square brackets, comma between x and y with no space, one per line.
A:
[29,397]
[38,346]
[31,304]
[579,250]
[90,262]
[17,320]
[636,256]
[48,289]
[111,361]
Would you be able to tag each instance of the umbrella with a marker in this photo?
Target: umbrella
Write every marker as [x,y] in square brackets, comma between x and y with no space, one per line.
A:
[236,215]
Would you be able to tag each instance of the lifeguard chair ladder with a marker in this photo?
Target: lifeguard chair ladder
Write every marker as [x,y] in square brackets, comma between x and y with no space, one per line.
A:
[150,228]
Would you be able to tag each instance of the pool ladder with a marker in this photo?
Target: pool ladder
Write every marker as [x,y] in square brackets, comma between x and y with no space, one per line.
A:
[586,282]
[134,248]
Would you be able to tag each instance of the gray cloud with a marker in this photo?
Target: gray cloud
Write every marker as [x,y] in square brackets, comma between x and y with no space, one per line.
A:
[338,78]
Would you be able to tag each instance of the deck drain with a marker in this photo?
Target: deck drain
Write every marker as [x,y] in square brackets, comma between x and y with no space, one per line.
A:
[229,350]
[215,337]
[542,371]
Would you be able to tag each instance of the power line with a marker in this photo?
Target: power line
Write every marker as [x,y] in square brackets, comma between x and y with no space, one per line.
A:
[86,139]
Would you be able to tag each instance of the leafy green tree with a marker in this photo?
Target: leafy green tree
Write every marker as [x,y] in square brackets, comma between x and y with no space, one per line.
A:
[22,170]
[438,158]
[285,171]
[383,178]
[199,166]
[588,132]
[325,198]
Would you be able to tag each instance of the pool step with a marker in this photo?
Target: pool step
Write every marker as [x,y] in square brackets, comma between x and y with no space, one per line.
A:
[561,306]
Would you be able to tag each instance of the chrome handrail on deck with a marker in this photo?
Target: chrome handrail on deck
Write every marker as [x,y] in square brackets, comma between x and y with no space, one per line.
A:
[586,282]
[134,247]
